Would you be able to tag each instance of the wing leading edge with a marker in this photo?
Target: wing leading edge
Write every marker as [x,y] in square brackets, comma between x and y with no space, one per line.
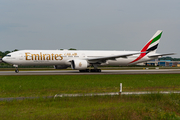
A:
[113,57]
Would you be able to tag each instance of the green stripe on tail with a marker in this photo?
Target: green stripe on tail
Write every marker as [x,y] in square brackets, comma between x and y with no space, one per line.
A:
[156,38]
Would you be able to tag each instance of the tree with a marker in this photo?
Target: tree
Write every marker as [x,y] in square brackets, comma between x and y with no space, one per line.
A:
[72,49]
[1,54]
[5,53]
[15,50]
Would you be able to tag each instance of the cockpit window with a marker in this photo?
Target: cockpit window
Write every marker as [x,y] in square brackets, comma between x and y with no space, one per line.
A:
[8,55]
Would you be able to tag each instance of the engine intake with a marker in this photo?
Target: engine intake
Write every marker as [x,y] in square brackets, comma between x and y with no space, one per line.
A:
[79,64]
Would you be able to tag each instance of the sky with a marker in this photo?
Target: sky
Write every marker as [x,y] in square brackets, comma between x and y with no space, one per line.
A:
[89,24]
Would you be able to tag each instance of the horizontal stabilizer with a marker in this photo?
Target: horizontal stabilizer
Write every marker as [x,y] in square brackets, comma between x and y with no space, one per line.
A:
[160,55]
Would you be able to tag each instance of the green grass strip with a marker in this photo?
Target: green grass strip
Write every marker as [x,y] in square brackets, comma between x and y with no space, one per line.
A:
[33,86]
[140,107]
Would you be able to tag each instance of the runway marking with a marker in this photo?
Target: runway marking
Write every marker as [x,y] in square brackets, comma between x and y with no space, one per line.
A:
[116,93]
[92,94]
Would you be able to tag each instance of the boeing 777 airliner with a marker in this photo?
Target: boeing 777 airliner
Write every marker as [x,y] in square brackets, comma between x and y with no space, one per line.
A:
[81,59]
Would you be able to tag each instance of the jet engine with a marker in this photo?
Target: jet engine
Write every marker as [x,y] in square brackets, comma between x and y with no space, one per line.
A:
[60,66]
[79,64]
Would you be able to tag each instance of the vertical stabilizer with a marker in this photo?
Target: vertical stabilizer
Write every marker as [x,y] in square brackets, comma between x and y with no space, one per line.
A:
[153,43]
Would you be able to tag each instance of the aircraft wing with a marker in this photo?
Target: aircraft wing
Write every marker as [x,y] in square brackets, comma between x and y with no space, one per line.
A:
[112,57]
[160,55]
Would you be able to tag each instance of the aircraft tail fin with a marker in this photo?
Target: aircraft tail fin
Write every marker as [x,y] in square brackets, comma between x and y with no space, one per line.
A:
[153,43]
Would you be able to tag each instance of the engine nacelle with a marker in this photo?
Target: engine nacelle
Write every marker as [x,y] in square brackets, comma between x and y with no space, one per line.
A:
[79,64]
[60,66]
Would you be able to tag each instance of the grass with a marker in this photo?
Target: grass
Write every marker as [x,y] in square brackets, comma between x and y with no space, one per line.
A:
[154,106]
[32,86]
[136,107]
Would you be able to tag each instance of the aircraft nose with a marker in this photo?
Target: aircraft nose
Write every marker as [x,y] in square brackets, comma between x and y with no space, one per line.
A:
[2,60]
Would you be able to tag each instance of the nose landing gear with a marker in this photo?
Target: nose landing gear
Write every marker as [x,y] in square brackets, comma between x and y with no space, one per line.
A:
[16,66]
[16,70]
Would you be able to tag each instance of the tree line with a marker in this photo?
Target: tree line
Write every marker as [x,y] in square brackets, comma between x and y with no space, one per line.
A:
[169,58]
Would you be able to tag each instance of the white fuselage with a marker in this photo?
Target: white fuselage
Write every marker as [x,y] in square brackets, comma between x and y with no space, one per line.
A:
[63,57]
[82,59]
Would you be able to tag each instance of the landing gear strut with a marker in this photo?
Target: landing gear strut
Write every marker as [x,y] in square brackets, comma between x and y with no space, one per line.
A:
[16,66]
[95,68]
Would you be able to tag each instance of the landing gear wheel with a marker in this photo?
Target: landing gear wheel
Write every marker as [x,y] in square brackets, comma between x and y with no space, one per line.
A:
[95,70]
[16,70]
[87,70]
[90,70]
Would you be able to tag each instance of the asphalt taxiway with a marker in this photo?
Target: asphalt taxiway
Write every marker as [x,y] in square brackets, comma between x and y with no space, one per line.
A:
[76,72]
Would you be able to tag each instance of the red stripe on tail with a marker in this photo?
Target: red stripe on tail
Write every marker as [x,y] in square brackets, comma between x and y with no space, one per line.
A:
[143,50]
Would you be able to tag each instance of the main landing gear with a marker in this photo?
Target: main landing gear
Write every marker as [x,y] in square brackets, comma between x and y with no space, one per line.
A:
[16,66]
[95,70]
[90,70]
